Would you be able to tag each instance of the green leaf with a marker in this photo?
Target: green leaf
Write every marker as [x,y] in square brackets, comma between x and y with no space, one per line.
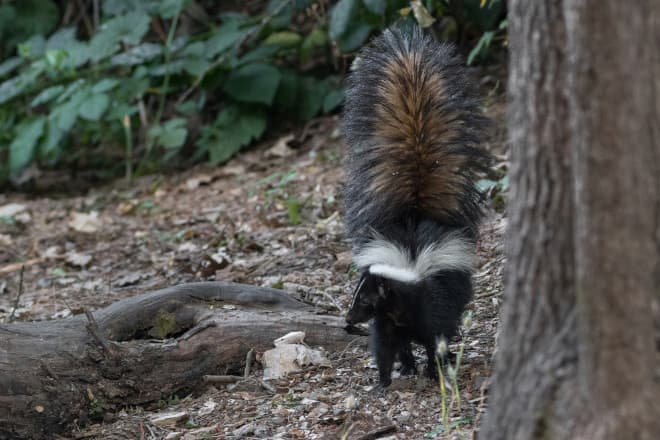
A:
[15,86]
[171,135]
[287,92]
[170,8]
[126,28]
[311,96]
[120,109]
[65,114]
[262,53]
[354,38]
[375,6]
[253,83]
[283,18]
[53,137]
[341,17]
[65,40]
[120,7]
[47,95]
[318,37]
[234,128]
[32,48]
[9,65]
[55,57]
[283,39]
[332,100]
[225,36]
[70,90]
[21,150]
[93,107]
[195,66]
[481,47]
[104,85]
[137,55]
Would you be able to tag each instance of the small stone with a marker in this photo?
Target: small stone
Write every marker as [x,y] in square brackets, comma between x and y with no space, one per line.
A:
[12,209]
[87,223]
[245,430]
[170,418]
[403,417]
[350,403]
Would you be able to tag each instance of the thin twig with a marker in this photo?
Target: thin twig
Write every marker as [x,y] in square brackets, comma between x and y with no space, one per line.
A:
[96,14]
[248,363]
[379,432]
[83,14]
[93,328]
[18,297]
[268,387]
[15,266]
[215,378]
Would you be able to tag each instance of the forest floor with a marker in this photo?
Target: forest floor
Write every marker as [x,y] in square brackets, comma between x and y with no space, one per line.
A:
[270,217]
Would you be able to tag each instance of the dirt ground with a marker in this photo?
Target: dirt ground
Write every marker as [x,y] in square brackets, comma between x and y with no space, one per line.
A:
[270,217]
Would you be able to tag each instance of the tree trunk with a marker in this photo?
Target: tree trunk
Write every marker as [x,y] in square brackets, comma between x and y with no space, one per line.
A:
[577,355]
[142,349]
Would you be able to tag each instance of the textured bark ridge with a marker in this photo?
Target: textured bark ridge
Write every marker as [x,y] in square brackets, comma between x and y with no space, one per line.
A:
[142,349]
[577,355]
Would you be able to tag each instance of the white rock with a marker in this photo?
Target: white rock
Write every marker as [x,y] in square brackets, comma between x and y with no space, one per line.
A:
[288,358]
[82,222]
[78,260]
[350,403]
[12,209]
[169,418]
[290,338]
[208,407]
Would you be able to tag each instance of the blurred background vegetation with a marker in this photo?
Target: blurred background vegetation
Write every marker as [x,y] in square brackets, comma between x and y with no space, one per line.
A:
[128,87]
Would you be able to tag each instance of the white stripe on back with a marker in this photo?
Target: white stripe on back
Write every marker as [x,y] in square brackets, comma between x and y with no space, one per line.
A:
[389,260]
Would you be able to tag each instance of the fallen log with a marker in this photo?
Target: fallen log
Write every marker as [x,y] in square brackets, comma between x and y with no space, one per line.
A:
[55,374]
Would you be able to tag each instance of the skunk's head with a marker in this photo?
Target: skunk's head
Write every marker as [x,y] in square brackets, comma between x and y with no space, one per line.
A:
[370,292]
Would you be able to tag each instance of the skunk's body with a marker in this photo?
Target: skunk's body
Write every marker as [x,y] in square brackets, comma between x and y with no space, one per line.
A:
[412,207]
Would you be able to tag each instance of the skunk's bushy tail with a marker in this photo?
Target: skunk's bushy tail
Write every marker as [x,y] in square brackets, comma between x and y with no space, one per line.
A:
[413,125]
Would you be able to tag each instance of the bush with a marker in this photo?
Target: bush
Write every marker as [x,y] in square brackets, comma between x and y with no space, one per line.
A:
[179,81]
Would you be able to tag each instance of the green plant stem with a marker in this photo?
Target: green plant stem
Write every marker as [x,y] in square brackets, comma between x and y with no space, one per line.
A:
[457,395]
[128,134]
[164,88]
[443,394]
[166,80]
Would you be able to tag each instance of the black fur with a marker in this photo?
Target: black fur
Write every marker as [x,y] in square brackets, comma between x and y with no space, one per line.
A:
[431,308]
[367,211]
[402,313]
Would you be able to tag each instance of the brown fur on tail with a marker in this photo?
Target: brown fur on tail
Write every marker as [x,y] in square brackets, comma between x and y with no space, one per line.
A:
[414,128]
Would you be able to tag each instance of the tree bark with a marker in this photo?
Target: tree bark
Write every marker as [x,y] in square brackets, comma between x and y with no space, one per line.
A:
[142,349]
[577,353]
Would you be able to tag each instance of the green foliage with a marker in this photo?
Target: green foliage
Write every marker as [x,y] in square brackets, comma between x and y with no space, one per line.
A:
[480,51]
[497,190]
[141,88]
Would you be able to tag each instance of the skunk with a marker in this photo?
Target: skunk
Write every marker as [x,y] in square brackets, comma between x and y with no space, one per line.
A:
[412,208]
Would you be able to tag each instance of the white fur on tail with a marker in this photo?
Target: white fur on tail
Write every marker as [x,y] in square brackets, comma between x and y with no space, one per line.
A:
[389,260]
